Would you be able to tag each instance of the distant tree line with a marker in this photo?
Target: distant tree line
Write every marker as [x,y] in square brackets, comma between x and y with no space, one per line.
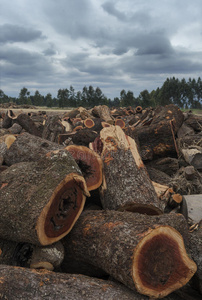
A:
[185,94]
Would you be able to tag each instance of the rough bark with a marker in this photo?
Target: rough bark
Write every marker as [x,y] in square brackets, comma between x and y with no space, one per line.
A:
[84,136]
[41,201]
[28,147]
[156,140]
[196,252]
[28,124]
[168,165]
[21,283]
[135,249]
[89,163]
[52,128]
[126,184]
[102,112]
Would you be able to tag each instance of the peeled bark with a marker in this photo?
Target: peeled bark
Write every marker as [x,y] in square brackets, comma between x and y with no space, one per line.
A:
[126,184]
[28,147]
[41,201]
[89,163]
[145,253]
[21,283]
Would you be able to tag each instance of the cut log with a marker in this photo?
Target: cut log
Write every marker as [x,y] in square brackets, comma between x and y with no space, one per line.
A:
[194,121]
[126,184]
[47,257]
[21,283]
[89,163]
[156,140]
[52,128]
[193,157]
[103,112]
[27,147]
[158,176]
[120,122]
[168,165]
[93,124]
[29,255]
[28,124]
[84,136]
[41,201]
[135,249]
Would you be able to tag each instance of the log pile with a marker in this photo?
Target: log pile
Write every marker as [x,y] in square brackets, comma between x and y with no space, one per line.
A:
[95,204]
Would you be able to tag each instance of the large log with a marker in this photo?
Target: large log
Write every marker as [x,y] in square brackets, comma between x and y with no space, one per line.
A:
[145,253]
[28,147]
[21,283]
[41,201]
[89,163]
[126,184]
[28,124]
[53,128]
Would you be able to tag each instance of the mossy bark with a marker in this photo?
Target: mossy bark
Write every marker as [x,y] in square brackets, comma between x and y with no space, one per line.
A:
[41,201]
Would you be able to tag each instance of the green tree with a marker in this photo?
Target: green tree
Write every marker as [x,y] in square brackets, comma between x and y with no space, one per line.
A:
[63,97]
[24,96]
[49,100]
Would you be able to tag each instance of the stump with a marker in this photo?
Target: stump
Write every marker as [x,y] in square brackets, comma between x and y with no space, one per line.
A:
[41,201]
[135,249]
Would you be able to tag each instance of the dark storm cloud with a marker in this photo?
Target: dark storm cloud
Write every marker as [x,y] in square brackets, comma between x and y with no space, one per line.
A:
[112,44]
[24,64]
[15,33]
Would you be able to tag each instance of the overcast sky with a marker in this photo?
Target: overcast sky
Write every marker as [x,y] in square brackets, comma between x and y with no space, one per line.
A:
[134,45]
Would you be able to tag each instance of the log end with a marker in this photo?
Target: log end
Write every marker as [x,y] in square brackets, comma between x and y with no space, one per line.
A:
[89,163]
[161,264]
[62,211]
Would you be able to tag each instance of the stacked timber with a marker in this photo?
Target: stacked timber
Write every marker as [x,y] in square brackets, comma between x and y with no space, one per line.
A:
[101,204]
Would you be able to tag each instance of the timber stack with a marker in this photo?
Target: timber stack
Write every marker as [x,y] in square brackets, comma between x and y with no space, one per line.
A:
[101,204]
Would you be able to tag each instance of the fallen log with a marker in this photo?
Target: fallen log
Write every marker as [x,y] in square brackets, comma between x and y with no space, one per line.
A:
[89,163]
[126,184]
[31,256]
[41,201]
[21,283]
[28,124]
[27,147]
[52,128]
[135,249]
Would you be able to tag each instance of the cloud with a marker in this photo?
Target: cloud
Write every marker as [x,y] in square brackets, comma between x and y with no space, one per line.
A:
[15,33]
